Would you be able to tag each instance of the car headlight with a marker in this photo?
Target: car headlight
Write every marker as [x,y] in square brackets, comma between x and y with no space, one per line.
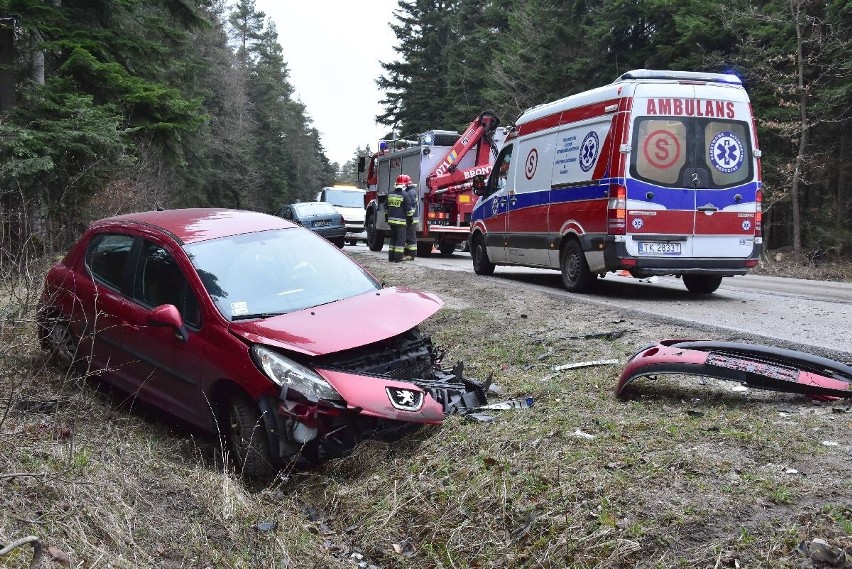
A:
[287,373]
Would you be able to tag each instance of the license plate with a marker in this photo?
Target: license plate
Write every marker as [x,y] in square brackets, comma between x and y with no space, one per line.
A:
[322,223]
[658,248]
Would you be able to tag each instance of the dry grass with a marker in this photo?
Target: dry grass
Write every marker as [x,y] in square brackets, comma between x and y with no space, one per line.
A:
[679,475]
[811,265]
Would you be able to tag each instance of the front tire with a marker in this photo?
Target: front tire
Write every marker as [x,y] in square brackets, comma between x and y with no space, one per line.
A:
[576,276]
[247,437]
[701,284]
[339,242]
[482,265]
[375,237]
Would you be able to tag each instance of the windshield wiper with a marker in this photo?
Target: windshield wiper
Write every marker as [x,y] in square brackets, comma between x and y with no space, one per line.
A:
[259,315]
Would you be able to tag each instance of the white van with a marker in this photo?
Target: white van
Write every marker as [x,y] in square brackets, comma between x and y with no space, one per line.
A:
[655,174]
[349,202]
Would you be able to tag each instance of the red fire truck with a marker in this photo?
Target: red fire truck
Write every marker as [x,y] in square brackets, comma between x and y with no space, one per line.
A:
[443,164]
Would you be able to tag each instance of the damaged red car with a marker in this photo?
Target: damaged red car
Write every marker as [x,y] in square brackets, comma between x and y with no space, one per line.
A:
[247,325]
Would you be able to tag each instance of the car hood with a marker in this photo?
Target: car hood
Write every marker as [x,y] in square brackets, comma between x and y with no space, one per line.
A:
[345,324]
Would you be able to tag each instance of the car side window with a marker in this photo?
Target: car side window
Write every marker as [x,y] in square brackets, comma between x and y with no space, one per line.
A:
[159,280]
[107,258]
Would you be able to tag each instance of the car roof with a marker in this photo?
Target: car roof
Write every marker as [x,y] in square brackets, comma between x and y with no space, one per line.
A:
[200,224]
[314,205]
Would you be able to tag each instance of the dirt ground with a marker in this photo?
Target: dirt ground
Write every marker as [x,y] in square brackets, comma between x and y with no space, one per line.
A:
[683,472]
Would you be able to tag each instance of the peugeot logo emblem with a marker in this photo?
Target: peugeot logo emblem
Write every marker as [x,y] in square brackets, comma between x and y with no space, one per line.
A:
[405,399]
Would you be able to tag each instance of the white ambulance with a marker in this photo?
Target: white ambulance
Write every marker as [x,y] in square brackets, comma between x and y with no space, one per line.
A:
[657,173]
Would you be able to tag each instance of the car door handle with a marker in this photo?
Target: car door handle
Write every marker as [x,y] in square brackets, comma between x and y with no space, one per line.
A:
[707,207]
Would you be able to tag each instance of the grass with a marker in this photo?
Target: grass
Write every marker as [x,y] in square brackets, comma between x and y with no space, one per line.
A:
[678,475]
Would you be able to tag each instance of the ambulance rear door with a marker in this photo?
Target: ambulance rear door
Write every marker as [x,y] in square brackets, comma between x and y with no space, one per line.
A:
[692,182]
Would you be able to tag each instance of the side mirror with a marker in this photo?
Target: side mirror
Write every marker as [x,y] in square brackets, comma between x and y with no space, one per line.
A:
[169,316]
[362,164]
[479,187]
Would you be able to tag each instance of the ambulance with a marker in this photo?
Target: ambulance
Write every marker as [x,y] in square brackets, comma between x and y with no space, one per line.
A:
[657,173]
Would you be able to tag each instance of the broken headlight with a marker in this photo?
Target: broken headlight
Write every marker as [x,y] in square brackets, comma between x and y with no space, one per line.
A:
[287,373]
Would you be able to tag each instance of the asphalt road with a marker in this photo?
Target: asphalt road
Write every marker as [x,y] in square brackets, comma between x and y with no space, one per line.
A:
[798,314]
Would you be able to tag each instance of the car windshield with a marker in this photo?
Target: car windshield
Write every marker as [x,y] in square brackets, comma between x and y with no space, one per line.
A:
[342,198]
[314,208]
[274,272]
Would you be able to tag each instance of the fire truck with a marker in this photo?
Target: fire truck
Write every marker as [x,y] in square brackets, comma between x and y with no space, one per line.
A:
[443,164]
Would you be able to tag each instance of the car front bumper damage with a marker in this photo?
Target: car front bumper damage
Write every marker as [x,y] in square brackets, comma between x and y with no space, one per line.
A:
[372,406]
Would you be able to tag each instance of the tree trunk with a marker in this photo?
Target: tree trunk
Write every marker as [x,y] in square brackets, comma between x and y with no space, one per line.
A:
[7,63]
[842,204]
[795,7]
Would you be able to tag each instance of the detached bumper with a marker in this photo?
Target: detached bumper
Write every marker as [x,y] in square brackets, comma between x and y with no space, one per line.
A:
[762,367]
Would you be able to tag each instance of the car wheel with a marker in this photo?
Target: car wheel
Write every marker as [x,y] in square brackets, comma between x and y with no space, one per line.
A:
[481,264]
[247,437]
[375,237]
[576,276]
[352,242]
[340,243]
[701,284]
[59,340]
[446,249]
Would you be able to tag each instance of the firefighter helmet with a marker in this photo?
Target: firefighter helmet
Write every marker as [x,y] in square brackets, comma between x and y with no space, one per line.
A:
[403,180]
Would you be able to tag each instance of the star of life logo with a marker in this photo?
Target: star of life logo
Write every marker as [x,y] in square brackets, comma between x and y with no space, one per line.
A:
[638,223]
[746,225]
[589,151]
[727,152]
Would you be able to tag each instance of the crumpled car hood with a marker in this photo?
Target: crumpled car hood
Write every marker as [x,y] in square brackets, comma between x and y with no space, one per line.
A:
[345,324]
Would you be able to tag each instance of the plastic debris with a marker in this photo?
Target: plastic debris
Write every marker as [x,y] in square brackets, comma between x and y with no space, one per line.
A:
[522,403]
[584,364]
[582,434]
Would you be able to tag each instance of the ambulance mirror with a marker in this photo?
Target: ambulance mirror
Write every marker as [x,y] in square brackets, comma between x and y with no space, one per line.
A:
[362,163]
[479,185]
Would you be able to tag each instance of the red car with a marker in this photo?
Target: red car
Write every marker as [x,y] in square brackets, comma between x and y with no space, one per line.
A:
[246,324]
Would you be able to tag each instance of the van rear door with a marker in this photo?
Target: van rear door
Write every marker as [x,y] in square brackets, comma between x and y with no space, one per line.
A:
[692,183]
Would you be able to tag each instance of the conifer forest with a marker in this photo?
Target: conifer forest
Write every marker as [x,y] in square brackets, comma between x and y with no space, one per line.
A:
[111,106]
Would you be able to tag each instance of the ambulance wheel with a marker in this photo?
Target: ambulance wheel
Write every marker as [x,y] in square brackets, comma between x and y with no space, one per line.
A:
[701,284]
[424,249]
[576,276]
[375,237]
[482,265]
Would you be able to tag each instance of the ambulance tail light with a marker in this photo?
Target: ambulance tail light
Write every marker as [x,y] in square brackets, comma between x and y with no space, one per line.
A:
[758,214]
[617,210]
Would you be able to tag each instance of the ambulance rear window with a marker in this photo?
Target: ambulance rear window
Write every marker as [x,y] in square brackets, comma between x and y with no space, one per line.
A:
[669,151]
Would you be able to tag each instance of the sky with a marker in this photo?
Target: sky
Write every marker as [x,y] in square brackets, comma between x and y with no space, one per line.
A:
[333,49]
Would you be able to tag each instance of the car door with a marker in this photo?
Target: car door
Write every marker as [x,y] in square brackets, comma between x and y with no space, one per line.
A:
[103,305]
[495,206]
[167,364]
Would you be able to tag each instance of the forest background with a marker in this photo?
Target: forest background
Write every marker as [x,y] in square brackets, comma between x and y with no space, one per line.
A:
[111,106]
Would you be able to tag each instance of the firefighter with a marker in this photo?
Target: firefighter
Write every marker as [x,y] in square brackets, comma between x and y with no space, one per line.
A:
[396,220]
[410,204]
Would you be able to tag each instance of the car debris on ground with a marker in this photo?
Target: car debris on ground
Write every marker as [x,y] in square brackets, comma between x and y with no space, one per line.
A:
[752,365]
